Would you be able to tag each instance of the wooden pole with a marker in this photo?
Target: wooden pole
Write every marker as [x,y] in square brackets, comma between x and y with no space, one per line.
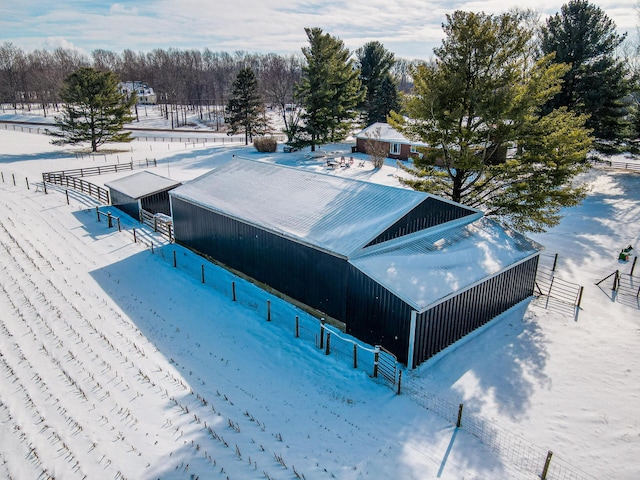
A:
[328,349]
[233,291]
[546,465]
[202,271]
[66,192]
[580,296]
[555,261]
[268,310]
[321,333]
[14,179]
[98,213]
[399,382]
[135,239]
[27,180]
[297,327]
[119,228]
[2,173]
[175,261]
[109,222]
[355,355]
[152,247]
[459,422]
[376,357]
[633,265]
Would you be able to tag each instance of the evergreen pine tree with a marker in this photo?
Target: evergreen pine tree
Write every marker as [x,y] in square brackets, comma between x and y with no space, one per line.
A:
[245,110]
[481,98]
[381,94]
[329,91]
[583,37]
[94,109]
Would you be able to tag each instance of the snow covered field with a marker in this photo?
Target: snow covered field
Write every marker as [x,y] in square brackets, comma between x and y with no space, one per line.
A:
[116,365]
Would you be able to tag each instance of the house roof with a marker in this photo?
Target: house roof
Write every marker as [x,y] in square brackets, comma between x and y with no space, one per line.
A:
[142,184]
[336,214]
[386,134]
[443,261]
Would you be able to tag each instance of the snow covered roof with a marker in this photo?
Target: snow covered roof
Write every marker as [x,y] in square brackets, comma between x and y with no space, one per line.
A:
[142,184]
[443,261]
[337,214]
[387,134]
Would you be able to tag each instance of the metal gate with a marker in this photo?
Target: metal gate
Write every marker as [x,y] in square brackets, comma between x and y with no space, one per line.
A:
[385,365]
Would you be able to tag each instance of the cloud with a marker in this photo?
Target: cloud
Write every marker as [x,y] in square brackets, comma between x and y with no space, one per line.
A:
[120,9]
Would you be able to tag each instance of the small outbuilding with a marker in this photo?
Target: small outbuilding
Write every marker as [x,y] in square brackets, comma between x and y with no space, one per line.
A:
[383,137]
[142,191]
[394,267]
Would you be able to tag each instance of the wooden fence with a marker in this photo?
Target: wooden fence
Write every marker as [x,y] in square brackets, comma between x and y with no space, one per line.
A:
[75,183]
[100,170]
[621,165]
[162,226]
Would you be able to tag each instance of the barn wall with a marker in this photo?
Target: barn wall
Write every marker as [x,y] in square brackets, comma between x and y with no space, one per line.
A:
[376,316]
[449,321]
[310,276]
[157,203]
[125,203]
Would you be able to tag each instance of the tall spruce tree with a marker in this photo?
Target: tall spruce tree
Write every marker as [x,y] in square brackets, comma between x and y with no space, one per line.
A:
[245,110]
[583,37]
[381,97]
[482,97]
[94,109]
[329,91]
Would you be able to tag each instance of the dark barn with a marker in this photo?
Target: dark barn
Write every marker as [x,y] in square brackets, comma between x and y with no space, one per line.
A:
[142,191]
[394,267]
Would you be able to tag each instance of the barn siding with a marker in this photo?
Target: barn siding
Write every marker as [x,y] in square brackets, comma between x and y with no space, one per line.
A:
[377,316]
[310,276]
[125,203]
[449,321]
[157,203]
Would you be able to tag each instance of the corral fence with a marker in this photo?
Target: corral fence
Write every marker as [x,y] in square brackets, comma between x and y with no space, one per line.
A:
[160,224]
[623,284]
[616,164]
[73,178]
[548,284]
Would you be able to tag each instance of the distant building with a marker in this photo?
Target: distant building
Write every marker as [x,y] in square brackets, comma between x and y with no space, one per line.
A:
[391,266]
[396,145]
[145,93]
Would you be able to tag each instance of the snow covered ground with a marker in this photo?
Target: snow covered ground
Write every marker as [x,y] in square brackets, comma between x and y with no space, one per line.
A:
[116,365]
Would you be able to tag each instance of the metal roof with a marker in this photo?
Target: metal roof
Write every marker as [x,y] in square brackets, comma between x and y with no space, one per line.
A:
[443,261]
[386,133]
[142,184]
[339,215]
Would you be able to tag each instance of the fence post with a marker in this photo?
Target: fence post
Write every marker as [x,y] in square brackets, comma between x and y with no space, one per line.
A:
[459,422]
[233,291]
[14,179]
[152,248]
[321,333]
[616,281]
[175,261]
[119,229]
[2,173]
[355,355]
[399,382]
[202,269]
[27,180]
[546,466]
[580,296]
[633,265]
[328,349]
[555,261]
[268,310]
[376,357]
[297,327]
[135,240]
[109,223]
[98,213]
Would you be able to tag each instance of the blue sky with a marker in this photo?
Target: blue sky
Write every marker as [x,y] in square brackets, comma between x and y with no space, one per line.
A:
[409,28]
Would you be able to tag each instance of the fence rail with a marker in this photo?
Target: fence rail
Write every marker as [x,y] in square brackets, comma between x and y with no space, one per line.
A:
[614,164]
[550,285]
[79,184]
[160,225]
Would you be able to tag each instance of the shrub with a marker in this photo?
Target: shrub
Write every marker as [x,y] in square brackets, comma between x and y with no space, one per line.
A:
[265,144]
